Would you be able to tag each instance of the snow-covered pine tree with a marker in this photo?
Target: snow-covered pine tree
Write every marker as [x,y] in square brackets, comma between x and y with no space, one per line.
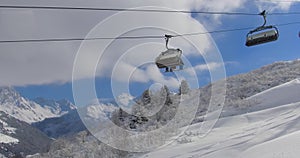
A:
[146,98]
[167,95]
[184,87]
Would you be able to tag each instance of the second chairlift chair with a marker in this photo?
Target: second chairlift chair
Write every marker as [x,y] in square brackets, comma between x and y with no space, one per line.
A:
[262,34]
[170,59]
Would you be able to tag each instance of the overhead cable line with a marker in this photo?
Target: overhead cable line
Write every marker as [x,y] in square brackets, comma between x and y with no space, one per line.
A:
[79,39]
[230,30]
[140,10]
[123,9]
[131,37]
[283,13]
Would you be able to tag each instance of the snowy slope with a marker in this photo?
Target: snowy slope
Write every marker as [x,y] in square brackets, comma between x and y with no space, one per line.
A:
[12,103]
[17,137]
[255,134]
[286,146]
[7,139]
[234,135]
[61,126]
[280,95]
[4,138]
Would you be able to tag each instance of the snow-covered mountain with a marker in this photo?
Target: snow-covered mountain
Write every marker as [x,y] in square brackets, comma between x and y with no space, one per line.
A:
[243,86]
[18,138]
[71,123]
[267,132]
[61,126]
[98,110]
[59,107]
[246,85]
[12,103]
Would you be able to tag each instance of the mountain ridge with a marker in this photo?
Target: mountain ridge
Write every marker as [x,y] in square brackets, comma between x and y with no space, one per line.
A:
[12,103]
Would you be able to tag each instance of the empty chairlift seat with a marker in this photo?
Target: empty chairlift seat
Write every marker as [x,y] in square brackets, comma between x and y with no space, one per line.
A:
[262,37]
[262,34]
[170,59]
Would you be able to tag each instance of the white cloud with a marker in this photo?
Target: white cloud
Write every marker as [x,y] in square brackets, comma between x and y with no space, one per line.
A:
[150,73]
[271,5]
[42,63]
[208,66]
[203,67]
[155,75]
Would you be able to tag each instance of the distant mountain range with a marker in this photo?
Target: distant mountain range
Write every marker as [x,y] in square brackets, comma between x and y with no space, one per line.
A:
[12,103]
[27,126]
[71,123]
[59,107]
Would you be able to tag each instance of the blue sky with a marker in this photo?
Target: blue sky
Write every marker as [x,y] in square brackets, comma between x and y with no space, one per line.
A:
[237,57]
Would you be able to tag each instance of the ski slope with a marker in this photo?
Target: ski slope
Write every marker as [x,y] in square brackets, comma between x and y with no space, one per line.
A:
[281,95]
[286,146]
[273,132]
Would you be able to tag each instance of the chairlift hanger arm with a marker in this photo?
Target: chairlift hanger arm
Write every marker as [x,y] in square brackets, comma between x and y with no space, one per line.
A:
[167,37]
[263,27]
[264,14]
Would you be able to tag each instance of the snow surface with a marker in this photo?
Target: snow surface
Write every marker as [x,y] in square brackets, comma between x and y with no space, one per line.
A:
[7,139]
[283,147]
[2,156]
[270,133]
[7,128]
[280,95]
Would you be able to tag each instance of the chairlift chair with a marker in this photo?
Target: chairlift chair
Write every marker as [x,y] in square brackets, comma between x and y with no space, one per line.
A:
[262,34]
[262,37]
[170,59]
